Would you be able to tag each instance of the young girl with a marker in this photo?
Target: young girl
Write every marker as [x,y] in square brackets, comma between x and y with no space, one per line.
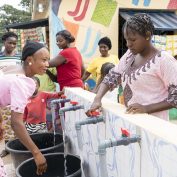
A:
[146,74]
[106,67]
[35,111]
[16,87]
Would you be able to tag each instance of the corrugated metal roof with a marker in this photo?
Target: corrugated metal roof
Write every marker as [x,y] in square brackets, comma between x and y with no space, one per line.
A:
[29,24]
[166,21]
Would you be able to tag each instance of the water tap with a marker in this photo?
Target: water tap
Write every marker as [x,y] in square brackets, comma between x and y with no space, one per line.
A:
[93,119]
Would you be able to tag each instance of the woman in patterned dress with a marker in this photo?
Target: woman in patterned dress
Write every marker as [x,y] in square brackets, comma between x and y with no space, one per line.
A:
[147,75]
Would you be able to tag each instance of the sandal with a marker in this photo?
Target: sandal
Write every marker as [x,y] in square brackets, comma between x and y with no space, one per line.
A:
[4,153]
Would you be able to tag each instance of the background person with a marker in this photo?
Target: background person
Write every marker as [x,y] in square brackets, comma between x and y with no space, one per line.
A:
[9,40]
[95,66]
[106,67]
[68,63]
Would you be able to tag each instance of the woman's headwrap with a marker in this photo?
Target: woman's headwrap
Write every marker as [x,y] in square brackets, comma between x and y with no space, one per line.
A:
[30,48]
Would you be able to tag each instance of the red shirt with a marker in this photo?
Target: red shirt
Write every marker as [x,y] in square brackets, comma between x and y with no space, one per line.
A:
[35,111]
[69,74]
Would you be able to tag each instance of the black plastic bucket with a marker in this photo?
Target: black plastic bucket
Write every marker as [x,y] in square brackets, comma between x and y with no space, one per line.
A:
[55,166]
[44,141]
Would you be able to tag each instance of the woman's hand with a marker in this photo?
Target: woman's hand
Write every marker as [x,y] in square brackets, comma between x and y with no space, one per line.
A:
[136,108]
[21,132]
[95,105]
[61,92]
[40,163]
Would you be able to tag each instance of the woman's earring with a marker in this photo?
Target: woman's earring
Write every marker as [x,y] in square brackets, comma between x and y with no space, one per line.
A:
[30,63]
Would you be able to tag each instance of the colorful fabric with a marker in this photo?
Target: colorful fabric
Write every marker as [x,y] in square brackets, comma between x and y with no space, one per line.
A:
[35,111]
[8,133]
[36,128]
[15,56]
[150,83]
[96,64]
[15,91]
[69,74]
[46,84]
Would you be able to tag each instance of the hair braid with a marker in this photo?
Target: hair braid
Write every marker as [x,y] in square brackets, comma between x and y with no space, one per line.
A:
[140,23]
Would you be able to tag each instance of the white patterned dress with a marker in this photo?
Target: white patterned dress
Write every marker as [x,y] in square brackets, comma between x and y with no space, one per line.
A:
[153,82]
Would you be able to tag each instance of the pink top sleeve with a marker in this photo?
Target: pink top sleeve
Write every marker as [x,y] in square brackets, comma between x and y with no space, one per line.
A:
[167,72]
[21,89]
[113,78]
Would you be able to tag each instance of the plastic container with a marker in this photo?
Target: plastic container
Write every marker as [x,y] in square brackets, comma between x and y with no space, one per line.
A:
[44,141]
[55,166]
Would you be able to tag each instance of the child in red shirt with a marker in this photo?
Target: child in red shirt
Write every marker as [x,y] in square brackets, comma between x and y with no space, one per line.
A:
[35,111]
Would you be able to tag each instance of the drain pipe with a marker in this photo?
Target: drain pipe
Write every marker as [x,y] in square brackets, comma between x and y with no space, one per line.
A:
[96,118]
[124,140]
[62,111]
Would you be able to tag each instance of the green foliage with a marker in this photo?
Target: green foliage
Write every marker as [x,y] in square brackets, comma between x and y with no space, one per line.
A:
[10,15]
[25,4]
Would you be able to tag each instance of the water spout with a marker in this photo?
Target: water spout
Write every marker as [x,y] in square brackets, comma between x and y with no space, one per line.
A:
[62,111]
[56,103]
[66,109]
[78,124]
[111,143]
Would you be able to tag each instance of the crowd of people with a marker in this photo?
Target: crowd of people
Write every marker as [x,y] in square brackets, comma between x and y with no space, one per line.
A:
[144,73]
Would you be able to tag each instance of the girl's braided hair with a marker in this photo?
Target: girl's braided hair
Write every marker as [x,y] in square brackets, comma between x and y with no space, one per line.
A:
[140,23]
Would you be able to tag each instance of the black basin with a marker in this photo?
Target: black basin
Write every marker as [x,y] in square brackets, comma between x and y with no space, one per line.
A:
[55,162]
[44,141]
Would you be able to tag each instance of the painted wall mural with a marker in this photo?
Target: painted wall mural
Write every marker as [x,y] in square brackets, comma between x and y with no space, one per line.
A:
[149,4]
[83,18]
[91,52]
[90,20]
[75,13]
[104,11]
[172,4]
[145,3]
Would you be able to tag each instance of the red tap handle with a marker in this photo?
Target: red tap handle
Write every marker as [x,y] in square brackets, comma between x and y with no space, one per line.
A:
[125,132]
[63,96]
[95,113]
[73,103]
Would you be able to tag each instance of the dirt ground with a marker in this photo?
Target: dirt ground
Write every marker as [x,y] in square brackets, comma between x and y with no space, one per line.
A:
[7,162]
